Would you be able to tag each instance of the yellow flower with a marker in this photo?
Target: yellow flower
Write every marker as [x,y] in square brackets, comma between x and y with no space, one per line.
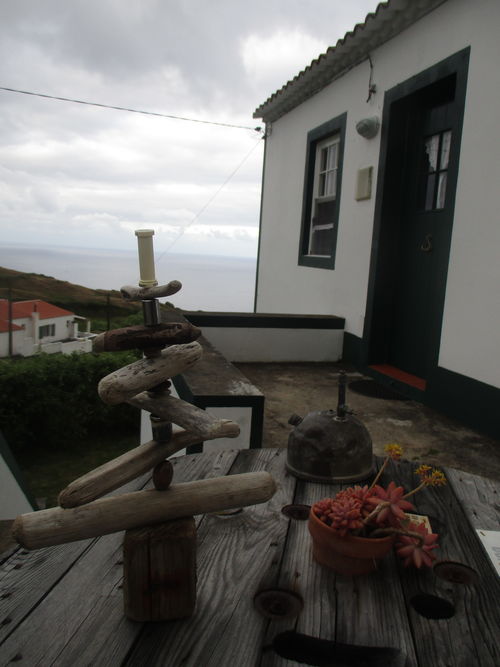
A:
[394,451]
[431,477]
[423,471]
[436,478]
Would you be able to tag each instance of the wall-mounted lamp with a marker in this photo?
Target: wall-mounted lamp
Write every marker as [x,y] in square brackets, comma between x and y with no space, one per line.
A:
[368,127]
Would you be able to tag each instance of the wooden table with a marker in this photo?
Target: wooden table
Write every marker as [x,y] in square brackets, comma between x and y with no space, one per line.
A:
[63,605]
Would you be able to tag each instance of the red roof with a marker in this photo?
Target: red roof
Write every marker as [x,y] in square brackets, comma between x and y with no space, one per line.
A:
[26,308]
[4,326]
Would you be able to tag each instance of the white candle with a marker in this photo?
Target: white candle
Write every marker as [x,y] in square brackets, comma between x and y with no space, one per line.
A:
[146,257]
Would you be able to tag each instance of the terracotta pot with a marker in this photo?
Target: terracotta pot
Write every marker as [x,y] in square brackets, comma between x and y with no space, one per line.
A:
[346,555]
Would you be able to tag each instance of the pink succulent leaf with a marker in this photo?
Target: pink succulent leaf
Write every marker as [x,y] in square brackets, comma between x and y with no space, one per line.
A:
[395,510]
[412,552]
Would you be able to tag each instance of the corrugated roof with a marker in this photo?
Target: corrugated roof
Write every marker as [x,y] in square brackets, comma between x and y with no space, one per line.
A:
[22,309]
[389,19]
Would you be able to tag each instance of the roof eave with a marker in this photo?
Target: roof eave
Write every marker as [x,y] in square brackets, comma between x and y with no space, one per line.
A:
[389,19]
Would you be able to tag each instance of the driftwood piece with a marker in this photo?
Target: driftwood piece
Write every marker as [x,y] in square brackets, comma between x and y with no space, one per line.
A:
[132,510]
[119,386]
[113,474]
[131,293]
[163,474]
[145,338]
[159,571]
[179,412]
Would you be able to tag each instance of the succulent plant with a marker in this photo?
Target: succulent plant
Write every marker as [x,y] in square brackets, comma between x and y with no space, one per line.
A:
[374,511]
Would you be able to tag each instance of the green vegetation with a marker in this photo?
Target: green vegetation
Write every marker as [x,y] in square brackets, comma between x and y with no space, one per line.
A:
[94,304]
[47,473]
[50,403]
[50,412]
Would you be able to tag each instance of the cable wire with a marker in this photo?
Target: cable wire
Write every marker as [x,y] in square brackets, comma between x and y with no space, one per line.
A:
[205,206]
[117,108]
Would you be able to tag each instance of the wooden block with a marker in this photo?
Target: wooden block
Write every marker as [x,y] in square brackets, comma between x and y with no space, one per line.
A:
[132,293]
[159,571]
[184,414]
[145,373]
[113,474]
[142,508]
[145,338]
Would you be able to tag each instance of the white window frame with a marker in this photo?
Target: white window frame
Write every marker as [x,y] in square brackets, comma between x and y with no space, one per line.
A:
[319,197]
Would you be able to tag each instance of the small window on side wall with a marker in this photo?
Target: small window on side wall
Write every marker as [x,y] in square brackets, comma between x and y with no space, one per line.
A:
[322,187]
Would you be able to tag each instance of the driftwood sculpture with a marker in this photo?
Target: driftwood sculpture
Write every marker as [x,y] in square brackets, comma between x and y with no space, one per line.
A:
[160,533]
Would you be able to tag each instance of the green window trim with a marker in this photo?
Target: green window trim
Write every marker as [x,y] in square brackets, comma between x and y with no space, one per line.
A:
[333,129]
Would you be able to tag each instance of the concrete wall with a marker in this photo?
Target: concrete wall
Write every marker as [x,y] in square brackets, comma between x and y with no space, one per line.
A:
[12,498]
[274,345]
[471,322]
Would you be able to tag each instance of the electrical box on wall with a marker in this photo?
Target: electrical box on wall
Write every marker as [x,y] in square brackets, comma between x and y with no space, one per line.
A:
[364,184]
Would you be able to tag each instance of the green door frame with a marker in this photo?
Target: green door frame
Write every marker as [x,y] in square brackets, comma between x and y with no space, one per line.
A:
[384,245]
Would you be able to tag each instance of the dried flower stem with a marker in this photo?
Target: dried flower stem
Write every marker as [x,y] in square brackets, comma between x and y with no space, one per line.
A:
[384,466]
[399,531]
[417,488]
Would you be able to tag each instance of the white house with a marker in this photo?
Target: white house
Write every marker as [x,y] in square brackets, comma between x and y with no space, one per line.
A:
[379,200]
[38,326]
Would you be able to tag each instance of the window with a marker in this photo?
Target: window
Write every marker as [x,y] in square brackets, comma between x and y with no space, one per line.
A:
[435,170]
[322,194]
[47,330]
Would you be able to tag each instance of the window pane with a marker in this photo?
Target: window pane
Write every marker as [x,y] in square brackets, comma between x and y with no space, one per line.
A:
[324,159]
[332,156]
[429,192]
[331,183]
[441,193]
[321,242]
[445,150]
[431,149]
[322,182]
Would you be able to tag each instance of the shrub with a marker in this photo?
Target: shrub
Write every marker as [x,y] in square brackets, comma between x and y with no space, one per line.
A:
[50,401]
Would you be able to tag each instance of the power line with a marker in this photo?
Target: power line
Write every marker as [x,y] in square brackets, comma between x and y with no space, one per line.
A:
[116,108]
[207,204]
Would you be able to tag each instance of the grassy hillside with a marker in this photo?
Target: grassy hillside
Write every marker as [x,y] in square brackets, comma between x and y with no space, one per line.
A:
[80,300]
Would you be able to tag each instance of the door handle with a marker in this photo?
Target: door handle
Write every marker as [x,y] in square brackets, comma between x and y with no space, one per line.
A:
[427,244]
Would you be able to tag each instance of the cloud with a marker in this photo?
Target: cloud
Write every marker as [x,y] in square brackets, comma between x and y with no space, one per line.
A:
[271,59]
[83,175]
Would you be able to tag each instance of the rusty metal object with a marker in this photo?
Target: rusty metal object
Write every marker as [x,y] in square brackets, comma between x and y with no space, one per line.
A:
[146,337]
[329,445]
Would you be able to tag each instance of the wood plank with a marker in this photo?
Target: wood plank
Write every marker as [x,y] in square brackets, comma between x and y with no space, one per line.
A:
[27,577]
[233,552]
[470,635]
[349,610]
[81,620]
[479,497]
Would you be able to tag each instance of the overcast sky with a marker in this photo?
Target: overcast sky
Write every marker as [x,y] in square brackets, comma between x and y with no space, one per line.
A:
[74,175]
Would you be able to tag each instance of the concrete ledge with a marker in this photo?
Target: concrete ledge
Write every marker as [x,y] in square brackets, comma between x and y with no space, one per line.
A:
[261,337]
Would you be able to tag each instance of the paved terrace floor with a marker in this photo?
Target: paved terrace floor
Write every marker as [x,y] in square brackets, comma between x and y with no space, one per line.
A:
[424,434]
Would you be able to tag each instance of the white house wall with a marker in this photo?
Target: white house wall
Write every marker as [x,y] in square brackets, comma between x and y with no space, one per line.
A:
[471,321]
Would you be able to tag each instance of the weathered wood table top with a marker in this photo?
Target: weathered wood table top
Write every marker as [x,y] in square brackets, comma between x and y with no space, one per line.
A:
[63,605]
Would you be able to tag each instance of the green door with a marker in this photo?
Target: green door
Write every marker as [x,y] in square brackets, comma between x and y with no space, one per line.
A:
[423,228]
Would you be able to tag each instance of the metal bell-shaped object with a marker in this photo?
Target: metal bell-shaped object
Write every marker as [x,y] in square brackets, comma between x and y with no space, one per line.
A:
[329,445]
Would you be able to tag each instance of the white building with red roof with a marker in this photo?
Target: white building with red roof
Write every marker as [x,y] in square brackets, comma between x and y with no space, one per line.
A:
[38,326]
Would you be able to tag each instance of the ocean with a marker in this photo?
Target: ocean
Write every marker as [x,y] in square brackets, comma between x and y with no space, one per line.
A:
[208,282]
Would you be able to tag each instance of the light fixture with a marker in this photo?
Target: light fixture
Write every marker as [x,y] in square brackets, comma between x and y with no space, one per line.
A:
[368,127]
